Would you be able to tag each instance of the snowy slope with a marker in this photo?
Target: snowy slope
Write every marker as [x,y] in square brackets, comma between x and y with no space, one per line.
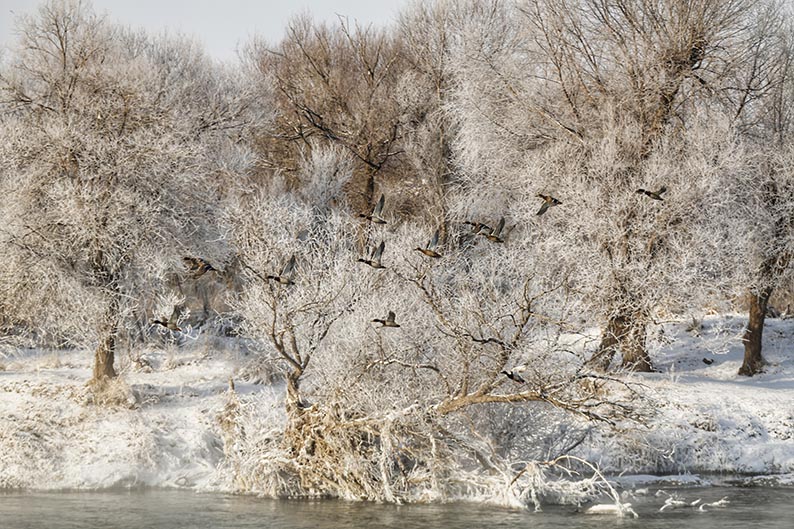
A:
[709,419]
[163,428]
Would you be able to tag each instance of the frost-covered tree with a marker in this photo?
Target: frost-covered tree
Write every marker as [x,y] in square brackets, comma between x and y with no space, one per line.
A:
[756,203]
[115,150]
[294,248]
[400,402]
[429,36]
[334,85]
[594,102]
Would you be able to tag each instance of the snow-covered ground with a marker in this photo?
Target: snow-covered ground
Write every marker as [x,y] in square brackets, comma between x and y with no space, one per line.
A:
[709,420]
[161,428]
[163,425]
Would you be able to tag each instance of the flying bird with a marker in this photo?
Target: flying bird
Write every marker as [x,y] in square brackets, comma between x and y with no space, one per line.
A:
[514,375]
[430,249]
[656,195]
[377,211]
[198,266]
[388,322]
[374,258]
[495,235]
[285,277]
[548,201]
[170,323]
[477,227]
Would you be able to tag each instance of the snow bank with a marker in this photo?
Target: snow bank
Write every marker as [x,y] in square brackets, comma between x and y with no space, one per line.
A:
[164,427]
[708,419]
[160,429]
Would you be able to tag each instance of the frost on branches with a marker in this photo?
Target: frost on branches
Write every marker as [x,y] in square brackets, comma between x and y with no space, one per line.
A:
[448,243]
[114,150]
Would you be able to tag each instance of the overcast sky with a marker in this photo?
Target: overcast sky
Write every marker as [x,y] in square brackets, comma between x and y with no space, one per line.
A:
[220,24]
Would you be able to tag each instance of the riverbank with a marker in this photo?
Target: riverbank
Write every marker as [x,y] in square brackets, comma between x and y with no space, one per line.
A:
[162,427]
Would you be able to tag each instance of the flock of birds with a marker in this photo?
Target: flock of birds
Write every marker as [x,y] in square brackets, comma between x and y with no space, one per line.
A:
[198,266]
[673,502]
[431,248]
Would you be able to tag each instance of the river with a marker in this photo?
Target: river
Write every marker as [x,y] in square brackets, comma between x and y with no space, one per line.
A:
[766,507]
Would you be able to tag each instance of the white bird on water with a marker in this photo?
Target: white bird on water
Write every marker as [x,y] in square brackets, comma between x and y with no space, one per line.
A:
[722,503]
[617,509]
[673,503]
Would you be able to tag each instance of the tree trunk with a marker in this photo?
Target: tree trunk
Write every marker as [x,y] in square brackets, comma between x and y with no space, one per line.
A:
[104,357]
[624,332]
[297,439]
[105,351]
[610,339]
[369,190]
[753,361]
[635,354]
[294,403]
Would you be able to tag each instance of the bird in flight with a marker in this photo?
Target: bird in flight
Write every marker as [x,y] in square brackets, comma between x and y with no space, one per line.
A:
[170,323]
[495,235]
[198,266]
[548,201]
[515,376]
[374,258]
[377,212]
[388,322]
[285,277]
[477,227]
[656,195]
[430,249]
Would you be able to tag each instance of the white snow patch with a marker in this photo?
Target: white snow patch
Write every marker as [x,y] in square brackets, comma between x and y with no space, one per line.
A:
[708,418]
[164,429]
[163,432]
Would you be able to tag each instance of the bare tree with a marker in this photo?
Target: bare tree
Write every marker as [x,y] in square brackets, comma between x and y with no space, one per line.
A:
[428,35]
[590,103]
[335,85]
[757,200]
[112,144]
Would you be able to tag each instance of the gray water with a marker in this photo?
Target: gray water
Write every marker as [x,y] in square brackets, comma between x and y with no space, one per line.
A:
[171,509]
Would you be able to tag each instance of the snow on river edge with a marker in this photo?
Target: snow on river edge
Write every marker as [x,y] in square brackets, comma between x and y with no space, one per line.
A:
[163,429]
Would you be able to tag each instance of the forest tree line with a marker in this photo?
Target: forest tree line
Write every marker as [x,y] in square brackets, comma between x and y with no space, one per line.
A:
[573,164]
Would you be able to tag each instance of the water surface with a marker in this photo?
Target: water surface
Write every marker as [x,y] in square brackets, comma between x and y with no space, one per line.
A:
[770,508]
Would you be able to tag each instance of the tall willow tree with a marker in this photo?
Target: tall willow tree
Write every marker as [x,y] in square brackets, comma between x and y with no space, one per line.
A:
[592,101]
[112,146]
[759,211]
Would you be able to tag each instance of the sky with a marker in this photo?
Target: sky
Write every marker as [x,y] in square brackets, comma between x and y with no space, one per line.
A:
[221,24]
